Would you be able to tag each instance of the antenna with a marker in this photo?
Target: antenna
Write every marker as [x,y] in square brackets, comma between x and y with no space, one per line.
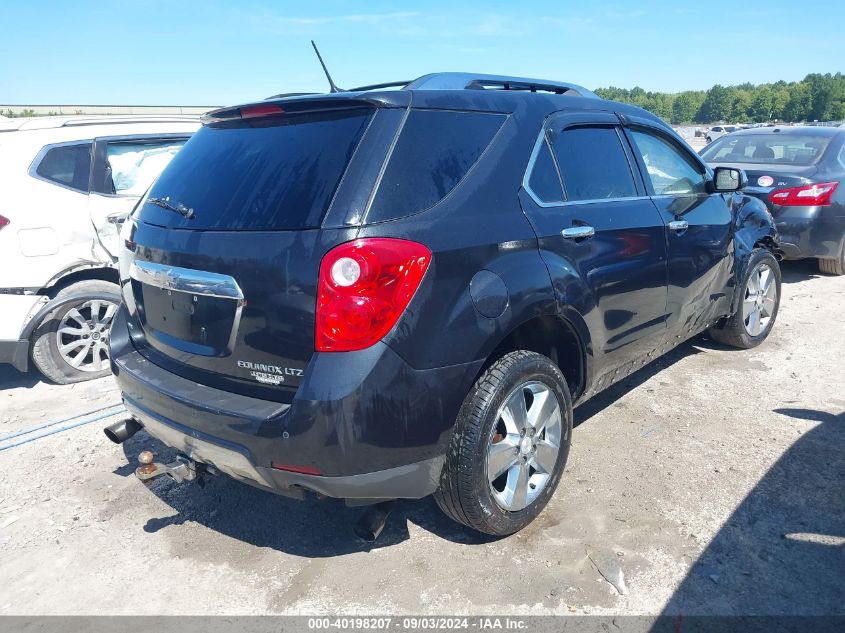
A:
[332,87]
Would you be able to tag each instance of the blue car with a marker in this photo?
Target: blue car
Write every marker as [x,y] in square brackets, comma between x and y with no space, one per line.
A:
[391,293]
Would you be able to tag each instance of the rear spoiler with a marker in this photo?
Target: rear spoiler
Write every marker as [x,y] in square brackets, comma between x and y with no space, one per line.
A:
[298,104]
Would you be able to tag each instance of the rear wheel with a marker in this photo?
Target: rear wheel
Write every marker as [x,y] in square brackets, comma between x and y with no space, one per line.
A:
[510,445]
[835,266]
[758,310]
[71,343]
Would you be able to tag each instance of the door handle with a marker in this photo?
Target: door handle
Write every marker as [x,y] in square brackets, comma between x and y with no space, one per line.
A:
[678,225]
[578,232]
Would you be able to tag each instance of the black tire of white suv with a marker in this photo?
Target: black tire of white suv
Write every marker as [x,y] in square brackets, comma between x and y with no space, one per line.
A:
[77,332]
[467,492]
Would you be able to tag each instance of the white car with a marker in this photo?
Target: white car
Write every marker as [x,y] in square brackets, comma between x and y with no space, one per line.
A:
[66,185]
[718,131]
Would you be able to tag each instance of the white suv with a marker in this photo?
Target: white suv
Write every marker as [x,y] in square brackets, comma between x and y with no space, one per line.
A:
[718,131]
[66,185]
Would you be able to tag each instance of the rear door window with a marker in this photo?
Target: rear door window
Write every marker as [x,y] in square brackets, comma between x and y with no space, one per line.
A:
[67,165]
[266,174]
[435,150]
[672,172]
[593,164]
[129,167]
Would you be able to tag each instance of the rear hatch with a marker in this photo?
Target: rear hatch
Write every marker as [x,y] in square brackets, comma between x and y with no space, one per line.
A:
[221,259]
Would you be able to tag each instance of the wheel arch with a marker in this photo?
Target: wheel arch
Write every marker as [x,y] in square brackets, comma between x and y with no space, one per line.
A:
[755,229]
[556,336]
[76,274]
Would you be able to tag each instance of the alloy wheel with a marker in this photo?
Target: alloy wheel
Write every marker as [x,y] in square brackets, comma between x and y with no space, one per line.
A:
[760,301]
[83,335]
[524,446]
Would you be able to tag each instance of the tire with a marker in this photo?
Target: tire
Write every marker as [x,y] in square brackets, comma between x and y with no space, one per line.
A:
[465,493]
[834,266]
[77,316]
[738,330]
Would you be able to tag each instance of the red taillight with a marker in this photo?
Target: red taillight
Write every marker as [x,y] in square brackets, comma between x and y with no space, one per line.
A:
[304,470]
[4,221]
[264,109]
[364,287]
[817,195]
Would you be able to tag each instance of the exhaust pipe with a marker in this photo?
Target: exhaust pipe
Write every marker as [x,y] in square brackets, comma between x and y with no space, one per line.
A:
[371,523]
[121,431]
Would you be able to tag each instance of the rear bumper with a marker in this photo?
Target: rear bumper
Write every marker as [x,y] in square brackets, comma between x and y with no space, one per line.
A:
[15,353]
[15,310]
[813,236]
[373,427]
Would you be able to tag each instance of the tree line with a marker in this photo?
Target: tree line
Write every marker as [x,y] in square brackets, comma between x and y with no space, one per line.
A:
[817,97]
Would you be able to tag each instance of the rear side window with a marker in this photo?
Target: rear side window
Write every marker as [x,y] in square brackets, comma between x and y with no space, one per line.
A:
[271,174]
[435,150]
[68,165]
[593,164]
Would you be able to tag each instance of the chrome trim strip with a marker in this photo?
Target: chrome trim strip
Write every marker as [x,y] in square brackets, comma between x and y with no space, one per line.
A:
[526,177]
[196,282]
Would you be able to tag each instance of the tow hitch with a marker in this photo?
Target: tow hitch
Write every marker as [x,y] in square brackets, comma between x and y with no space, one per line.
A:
[180,470]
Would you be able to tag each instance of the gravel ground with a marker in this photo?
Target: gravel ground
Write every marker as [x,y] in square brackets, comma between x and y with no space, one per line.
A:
[711,482]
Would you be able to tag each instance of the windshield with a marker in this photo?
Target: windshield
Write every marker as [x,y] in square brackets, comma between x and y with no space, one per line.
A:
[792,149]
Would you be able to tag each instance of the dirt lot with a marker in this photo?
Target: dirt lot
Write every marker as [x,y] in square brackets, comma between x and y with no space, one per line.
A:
[710,482]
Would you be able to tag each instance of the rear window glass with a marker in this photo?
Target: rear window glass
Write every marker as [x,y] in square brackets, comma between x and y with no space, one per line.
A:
[593,164]
[435,150]
[68,165]
[785,149]
[271,174]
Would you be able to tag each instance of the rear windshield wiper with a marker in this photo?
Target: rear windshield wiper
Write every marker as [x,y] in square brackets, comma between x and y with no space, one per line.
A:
[164,203]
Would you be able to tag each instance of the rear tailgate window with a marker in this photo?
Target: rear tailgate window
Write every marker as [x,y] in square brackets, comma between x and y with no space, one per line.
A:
[267,174]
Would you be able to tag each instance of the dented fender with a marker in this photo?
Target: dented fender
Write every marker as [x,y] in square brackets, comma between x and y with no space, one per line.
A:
[753,227]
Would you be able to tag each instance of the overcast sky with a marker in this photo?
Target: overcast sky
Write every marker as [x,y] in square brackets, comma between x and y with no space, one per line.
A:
[221,52]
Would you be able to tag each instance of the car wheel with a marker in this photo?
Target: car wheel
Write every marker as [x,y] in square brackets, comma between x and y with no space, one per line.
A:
[510,445]
[835,266]
[758,310]
[71,343]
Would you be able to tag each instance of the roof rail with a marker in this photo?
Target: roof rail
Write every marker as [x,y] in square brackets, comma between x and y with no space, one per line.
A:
[389,84]
[129,118]
[472,81]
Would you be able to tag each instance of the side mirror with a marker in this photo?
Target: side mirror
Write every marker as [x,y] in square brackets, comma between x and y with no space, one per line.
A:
[729,179]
